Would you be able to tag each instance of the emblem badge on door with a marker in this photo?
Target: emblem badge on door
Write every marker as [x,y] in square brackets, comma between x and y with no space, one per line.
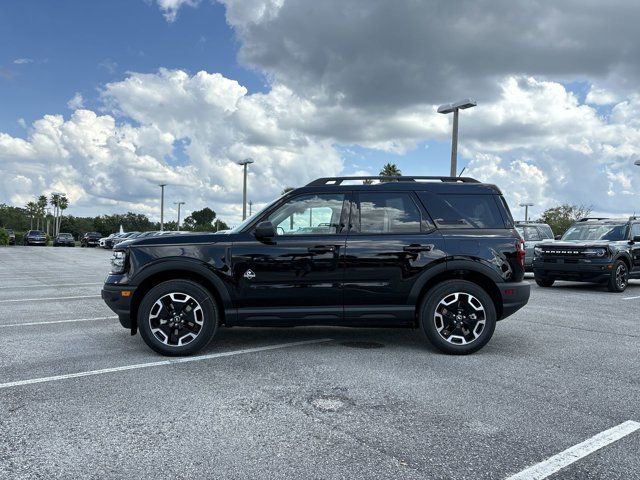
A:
[249,275]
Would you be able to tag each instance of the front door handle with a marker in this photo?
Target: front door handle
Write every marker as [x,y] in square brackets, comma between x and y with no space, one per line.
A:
[322,249]
[416,248]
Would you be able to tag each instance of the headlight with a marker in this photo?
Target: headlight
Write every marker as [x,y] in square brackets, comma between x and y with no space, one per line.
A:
[537,251]
[117,262]
[595,252]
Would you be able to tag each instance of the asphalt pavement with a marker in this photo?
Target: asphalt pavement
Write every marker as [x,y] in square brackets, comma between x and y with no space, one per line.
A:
[82,398]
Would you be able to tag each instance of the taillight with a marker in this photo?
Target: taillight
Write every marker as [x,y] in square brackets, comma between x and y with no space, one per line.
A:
[520,252]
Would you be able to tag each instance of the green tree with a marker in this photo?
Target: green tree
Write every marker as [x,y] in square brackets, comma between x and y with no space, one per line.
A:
[42,205]
[4,237]
[390,170]
[32,210]
[562,217]
[203,221]
[286,190]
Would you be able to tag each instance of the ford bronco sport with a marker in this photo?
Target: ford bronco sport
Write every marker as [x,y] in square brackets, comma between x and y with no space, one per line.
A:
[438,254]
[600,250]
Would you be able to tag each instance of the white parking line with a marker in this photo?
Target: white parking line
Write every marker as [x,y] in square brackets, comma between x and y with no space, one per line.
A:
[158,364]
[570,455]
[13,300]
[28,324]
[630,298]
[54,285]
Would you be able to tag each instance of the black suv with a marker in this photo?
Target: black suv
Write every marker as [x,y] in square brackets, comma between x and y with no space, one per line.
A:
[90,239]
[434,253]
[600,250]
[35,237]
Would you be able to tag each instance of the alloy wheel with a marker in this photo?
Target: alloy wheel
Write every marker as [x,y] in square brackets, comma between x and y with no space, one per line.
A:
[460,318]
[176,319]
[621,276]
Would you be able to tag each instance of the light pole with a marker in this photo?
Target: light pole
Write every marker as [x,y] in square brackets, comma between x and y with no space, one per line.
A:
[244,163]
[250,206]
[178,203]
[162,185]
[455,108]
[526,210]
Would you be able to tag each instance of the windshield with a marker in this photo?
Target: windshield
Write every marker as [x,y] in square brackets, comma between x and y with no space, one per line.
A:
[596,231]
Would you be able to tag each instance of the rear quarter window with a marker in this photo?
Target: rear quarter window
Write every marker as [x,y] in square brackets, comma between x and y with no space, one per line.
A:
[465,210]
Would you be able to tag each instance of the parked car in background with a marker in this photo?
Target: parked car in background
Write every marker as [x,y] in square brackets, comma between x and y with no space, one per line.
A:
[533,233]
[599,250]
[436,254]
[90,239]
[12,236]
[35,237]
[64,240]
[122,237]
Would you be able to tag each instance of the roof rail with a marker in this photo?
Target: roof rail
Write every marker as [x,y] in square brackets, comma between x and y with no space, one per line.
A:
[339,180]
[586,219]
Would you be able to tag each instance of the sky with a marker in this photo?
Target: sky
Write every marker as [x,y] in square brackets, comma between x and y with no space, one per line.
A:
[104,100]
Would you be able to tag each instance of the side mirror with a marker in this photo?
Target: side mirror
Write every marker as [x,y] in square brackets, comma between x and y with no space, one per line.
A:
[558,237]
[265,230]
[636,239]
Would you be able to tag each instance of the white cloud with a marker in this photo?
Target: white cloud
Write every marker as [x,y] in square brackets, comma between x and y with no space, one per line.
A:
[600,96]
[76,102]
[22,61]
[170,7]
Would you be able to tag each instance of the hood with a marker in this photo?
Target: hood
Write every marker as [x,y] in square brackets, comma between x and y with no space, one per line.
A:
[574,243]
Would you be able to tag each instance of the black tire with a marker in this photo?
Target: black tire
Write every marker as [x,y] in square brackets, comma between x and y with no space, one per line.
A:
[545,282]
[432,301]
[209,317]
[619,278]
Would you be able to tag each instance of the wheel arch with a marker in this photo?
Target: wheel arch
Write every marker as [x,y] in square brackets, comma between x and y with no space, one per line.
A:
[179,270]
[482,276]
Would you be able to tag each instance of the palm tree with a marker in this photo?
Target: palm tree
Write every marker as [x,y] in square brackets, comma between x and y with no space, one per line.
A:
[32,209]
[390,170]
[63,205]
[55,202]
[42,204]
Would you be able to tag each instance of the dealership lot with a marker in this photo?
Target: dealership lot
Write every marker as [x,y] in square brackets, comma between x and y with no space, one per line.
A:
[80,397]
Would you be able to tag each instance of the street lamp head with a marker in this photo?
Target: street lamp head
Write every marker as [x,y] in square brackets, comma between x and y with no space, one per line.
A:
[246,161]
[637,162]
[162,184]
[526,204]
[461,105]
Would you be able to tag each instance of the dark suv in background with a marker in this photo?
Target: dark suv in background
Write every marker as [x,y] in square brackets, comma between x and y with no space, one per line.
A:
[90,239]
[600,250]
[64,240]
[35,237]
[438,254]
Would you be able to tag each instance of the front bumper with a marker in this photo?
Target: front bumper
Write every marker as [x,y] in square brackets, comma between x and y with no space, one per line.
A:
[596,270]
[121,305]
[514,296]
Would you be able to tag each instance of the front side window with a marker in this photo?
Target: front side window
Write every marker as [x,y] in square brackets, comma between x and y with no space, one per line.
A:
[388,213]
[635,230]
[309,215]
[463,210]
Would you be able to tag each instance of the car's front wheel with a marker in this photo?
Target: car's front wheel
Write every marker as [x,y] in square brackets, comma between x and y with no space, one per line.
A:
[177,317]
[619,278]
[458,317]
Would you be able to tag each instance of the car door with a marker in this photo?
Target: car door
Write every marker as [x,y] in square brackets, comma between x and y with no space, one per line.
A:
[635,248]
[391,242]
[295,277]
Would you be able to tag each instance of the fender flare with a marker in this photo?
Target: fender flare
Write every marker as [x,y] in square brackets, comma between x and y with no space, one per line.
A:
[189,265]
[450,266]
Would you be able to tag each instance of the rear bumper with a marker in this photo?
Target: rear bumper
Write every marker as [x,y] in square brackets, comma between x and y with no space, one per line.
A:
[514,297]
[121,306]
[595,271]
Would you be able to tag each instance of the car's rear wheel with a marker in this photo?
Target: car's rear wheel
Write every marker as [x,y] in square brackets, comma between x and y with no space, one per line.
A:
[545,282]
[619,278]
[458,317]
[177,317]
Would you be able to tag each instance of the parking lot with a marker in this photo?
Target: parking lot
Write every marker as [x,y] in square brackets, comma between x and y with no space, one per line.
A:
[80,397]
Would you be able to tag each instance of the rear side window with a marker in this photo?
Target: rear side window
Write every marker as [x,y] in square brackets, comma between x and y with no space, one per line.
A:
[531,234]
[388,213]
[463,211]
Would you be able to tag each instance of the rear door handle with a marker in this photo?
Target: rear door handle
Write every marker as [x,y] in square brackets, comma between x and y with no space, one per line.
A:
[416,248]
[322,249]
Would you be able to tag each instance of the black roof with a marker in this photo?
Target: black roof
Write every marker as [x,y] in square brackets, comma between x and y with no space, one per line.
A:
[431,184]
